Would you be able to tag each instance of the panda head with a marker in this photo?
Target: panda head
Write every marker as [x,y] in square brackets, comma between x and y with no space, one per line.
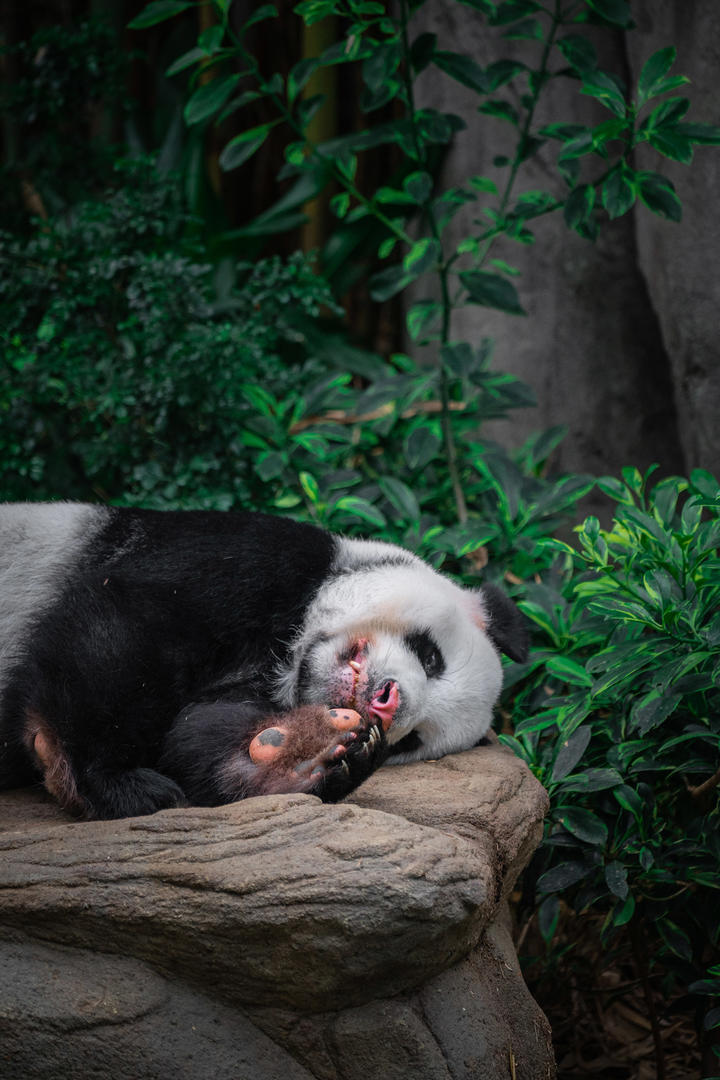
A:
[393,639]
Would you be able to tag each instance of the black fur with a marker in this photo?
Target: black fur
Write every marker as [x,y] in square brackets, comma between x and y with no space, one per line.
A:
[507,626]
[158,614]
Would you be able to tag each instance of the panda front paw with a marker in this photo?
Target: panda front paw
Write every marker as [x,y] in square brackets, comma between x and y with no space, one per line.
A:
[316,750]
[347,761]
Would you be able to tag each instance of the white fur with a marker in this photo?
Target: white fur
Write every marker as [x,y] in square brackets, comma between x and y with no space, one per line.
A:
[39,543]
[384,593]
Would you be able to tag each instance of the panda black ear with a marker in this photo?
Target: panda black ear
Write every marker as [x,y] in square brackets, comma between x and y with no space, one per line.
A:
[506,626]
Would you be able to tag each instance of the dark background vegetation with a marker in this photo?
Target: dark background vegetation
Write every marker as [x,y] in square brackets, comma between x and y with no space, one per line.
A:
[168,338]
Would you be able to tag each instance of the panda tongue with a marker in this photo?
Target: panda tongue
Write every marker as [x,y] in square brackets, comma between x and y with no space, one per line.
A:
[384,704]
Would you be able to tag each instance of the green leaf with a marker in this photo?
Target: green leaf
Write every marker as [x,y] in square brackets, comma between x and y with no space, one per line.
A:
[712,1019]
[300,75]
[570,752]
[265,11]
[386,247]
[616,878]
[691,516]
[388,282]
[310,487]
[502,110]
[491,290]
[421,317]
[340,204]
[392,195]
[243,146]
[313,11]
[381,64]
[667,114]
[510,11]
[422,51]
[158,11]
[458,358]
[652,709]
[616,12]
[569,671]
[548,917]
[418,186]
[617,193]
[421,447]
[526,30]
[424,255]
[579,52]
[192,56]
[562,877]
[401,497]
[208,98]
[606,89]
[540,617]
[268,466]
[624,912]
[210,39]
[702,134]
[653,71]
[675,938]
[361,508]
[629,800]
[583,824]
[436,127]
[592,780]
[502,72]
[705,483]
[463,69]
[658,194]
[671,145]
[268,225]
[483,183]
[618,610]
[581,144]
[579,206]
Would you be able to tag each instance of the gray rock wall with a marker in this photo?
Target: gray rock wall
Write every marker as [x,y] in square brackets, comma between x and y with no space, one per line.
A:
[680,264]
[620,339]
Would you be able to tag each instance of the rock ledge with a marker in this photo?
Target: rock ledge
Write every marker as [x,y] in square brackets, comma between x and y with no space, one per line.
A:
[295,938]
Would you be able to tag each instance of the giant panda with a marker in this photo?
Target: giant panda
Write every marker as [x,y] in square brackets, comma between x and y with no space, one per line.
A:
[151,659]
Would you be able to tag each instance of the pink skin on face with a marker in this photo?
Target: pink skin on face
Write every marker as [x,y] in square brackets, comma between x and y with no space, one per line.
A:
[382,704]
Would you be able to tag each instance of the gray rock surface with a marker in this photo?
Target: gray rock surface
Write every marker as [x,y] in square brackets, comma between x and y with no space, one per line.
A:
[275,937]
[680,263]
[620,342]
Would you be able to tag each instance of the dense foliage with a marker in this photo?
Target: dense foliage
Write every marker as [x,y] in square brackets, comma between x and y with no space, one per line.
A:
[142,364]
[618,713]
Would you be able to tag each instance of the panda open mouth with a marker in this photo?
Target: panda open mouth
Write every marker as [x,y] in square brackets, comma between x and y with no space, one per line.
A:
[380,704]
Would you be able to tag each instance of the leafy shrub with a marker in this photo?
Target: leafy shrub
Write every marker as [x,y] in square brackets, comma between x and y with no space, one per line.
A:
[618,714]
[121,377]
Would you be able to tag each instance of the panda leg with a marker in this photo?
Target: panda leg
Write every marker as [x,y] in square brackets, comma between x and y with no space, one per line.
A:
[93,786]
[223,751]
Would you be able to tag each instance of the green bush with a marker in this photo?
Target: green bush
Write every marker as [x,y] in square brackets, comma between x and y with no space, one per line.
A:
[123,375]
[618,714]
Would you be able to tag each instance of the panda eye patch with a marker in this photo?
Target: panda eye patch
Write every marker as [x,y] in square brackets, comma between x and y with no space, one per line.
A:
[427,653]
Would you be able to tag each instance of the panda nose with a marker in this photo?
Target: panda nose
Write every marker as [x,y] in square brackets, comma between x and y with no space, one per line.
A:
[384,703]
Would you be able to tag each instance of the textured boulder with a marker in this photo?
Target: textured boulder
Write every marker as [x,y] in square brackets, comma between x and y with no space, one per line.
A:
[620,339]
[276,936]
[680,263]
